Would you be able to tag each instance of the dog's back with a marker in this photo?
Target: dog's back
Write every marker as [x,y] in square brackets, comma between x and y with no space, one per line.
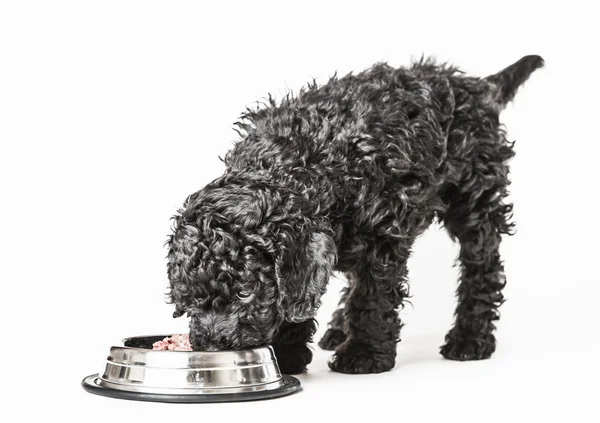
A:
[378,137]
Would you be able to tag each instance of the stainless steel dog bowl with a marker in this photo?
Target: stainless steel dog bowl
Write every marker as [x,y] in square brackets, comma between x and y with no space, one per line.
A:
[135,371]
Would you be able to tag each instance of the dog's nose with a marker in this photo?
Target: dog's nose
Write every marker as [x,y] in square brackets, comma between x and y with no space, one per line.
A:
[210,342]
[221,342]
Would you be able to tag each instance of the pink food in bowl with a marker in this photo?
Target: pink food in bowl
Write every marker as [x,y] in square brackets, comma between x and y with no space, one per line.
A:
[176,342]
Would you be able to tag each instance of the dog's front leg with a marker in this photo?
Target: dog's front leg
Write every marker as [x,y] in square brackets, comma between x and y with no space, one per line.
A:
[372,322]
[293,355]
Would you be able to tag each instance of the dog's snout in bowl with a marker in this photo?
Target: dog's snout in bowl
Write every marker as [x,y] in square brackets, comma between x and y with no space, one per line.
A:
[211,331]
[214,332]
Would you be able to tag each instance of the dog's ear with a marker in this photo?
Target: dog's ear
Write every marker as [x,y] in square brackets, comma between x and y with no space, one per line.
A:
[302,270]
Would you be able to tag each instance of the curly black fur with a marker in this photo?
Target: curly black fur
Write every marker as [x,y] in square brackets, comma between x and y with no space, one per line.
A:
[345,176]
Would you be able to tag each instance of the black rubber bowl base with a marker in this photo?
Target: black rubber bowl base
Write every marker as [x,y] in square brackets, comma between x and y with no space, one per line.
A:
[291,385]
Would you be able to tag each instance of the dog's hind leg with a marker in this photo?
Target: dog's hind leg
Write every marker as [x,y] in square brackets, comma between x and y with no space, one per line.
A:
[289,344]
[372,323]
[335,335]
[477,219]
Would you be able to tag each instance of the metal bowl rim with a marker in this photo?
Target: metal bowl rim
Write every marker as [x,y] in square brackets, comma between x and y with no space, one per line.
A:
[247,350]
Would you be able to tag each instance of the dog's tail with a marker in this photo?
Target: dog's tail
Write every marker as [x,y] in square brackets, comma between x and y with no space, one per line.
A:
[508,81]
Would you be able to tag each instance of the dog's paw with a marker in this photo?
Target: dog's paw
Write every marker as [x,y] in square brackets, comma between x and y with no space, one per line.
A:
[356,358]
[465,348]
[331,339]
[293,359]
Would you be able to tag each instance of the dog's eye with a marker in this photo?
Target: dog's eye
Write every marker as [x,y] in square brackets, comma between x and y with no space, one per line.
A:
[243,295]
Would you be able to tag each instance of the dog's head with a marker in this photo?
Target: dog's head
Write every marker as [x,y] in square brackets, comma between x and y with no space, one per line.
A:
[244,256]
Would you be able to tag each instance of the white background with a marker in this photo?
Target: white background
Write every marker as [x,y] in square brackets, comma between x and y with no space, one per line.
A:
[112,112]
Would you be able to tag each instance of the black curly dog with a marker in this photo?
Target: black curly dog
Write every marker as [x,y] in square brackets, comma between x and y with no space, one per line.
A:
[344,177]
